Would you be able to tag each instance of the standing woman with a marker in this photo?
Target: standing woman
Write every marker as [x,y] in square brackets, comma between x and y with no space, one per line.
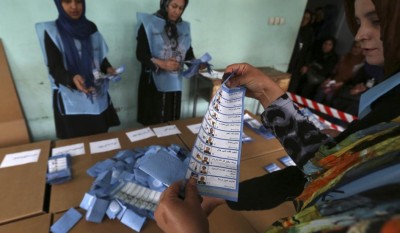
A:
[347,187]
[74,50]
[163,44]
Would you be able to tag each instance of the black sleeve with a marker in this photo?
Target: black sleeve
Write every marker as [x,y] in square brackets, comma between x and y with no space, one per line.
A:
[328,65]
[55,63]
[143,53]
[189,54]
[270,190]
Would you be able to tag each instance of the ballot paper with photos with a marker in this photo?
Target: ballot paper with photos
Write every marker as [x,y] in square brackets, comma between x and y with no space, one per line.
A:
[215,157]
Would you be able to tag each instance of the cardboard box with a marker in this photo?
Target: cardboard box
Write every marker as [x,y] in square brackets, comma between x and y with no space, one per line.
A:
[221,220]
[23,186]
[260,146]
[106,226]
[281,78]
[11,118]
[38,224]
[254,167]
[70,194]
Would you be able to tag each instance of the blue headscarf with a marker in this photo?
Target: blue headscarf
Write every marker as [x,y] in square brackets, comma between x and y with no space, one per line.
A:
[79,29]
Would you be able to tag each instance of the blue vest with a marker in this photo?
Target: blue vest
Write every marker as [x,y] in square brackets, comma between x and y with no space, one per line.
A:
[74,101]
[375,92]
[160,47]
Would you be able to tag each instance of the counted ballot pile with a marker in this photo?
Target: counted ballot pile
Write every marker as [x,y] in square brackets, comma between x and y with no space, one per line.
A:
[127,187]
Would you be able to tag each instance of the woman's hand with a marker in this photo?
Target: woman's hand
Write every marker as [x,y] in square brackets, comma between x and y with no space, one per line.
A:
[168,65]
[79,82]
[259,85]
[174,215]
[358,88]
[111,70]
[209,204]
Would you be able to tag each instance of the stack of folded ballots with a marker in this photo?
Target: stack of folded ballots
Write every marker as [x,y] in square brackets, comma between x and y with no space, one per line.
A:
[129,185]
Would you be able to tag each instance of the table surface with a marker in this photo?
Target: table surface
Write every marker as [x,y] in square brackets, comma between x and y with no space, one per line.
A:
[70,194]
[255,155]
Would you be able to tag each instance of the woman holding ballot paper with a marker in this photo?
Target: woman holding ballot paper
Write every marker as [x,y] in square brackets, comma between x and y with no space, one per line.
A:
[163,46]
[343,184]
[75,53]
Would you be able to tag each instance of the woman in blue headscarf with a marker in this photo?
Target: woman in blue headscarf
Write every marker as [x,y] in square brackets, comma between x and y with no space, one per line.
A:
[74,51]
[163,44]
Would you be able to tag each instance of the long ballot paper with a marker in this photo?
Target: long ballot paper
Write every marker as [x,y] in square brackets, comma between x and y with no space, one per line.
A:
[215,157]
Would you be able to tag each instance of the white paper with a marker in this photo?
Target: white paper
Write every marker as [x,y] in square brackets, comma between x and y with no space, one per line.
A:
[140,134]
[105,145]
[195,128]
[20,158]
[73,150]
[215,161]
[213,75]
[166,131]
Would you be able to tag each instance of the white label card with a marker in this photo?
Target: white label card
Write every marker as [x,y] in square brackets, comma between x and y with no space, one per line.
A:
[105,145]
[140,134]
[20,158]
[194,128]
[73,150]
[166,131]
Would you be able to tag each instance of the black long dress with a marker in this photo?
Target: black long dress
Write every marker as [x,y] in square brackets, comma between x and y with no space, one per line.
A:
[69,126]
[153,106]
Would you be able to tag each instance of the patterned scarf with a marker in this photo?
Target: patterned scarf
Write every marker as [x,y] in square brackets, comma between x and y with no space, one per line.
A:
[170,26]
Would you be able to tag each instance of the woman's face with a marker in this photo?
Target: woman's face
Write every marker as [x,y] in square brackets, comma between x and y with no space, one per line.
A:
[369,32]
[73,8]
[306,19]
[175,9]
[327,46]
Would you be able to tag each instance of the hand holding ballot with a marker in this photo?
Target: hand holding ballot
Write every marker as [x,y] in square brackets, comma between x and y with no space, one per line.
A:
[258,85]
[176,215]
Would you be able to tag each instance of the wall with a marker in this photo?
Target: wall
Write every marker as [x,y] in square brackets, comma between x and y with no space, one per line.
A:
[231,31]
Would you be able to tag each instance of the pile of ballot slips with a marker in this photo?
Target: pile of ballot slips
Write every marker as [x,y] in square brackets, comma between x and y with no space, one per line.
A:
[128,186]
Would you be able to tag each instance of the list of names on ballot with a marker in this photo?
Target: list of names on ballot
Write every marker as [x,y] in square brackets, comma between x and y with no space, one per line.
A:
[216,153]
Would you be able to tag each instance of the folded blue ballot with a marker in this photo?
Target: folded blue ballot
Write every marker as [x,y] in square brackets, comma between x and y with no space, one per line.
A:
[97,209]
[164,167]
[195,64]
[133,220]
[59,169]
[66,222]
